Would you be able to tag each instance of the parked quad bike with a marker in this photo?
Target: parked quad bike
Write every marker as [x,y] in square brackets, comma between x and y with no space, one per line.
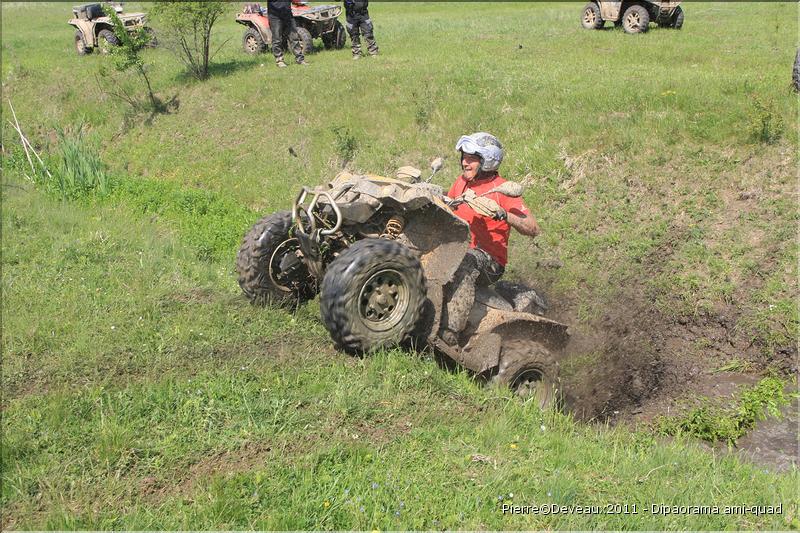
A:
[312,22]
[633,15]
[380,252]
[94,29]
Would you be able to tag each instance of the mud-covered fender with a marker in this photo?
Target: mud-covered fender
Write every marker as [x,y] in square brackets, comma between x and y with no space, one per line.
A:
[87,30]
[490,328]
[258,22]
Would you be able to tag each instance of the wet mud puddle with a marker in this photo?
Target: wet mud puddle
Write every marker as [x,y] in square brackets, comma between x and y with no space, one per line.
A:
[774,443]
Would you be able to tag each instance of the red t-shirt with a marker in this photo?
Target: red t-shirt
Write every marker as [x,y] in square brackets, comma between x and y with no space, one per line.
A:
[488,234]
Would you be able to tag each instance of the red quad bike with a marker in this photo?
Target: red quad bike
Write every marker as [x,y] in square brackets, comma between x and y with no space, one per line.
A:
[380,252]
[312,22]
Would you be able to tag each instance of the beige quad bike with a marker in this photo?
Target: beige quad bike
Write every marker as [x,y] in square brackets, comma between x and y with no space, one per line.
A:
[380,253]
[312,22]
[94,29]
[634,16]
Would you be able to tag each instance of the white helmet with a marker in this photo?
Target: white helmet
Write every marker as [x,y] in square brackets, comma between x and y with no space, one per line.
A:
[484,145]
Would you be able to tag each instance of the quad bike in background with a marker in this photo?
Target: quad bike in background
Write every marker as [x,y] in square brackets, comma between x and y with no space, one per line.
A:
[380,252]
[94,29]
[312,22]
[633,15]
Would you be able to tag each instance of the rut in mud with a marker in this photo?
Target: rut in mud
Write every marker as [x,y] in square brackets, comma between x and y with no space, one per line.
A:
[634,362]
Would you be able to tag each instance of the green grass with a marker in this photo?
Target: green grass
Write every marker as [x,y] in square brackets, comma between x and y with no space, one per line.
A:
[142,392]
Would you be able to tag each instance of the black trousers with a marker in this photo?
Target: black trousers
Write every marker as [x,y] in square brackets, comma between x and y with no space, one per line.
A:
[358,23]
[280,28]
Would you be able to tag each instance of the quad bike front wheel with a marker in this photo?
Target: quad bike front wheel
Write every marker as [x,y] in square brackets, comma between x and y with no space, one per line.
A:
[372,296]
[306,40]
[152,39]
[270,271]
[529,369]
[80,44]
[591,19]
[252,42]
[636,19]
[677,18]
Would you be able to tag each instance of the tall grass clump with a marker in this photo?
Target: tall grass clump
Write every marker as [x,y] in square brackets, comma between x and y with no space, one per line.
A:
[766,124]
[78,172]
[346,144]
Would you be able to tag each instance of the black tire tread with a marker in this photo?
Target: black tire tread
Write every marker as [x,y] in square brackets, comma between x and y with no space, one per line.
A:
[81,49]
[337,292]
[252,261]
[518,354]
[677,18]
[306,40]
[255,33]
[109,37]
[336,39]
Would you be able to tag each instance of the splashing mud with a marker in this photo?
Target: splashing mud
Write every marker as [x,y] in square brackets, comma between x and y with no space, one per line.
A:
[634,364]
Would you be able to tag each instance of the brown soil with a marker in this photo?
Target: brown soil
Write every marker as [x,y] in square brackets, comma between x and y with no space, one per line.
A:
[635,362]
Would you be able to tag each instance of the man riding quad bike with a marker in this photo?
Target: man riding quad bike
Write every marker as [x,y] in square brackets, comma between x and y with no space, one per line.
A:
[382,253]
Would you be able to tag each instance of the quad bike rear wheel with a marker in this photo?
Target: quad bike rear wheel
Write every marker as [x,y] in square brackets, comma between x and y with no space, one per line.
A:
[529,369]
[335,39]
[269,270]
[106,40]
[252,42]
[636,19]
[591,19]
[372,296]
[80,44]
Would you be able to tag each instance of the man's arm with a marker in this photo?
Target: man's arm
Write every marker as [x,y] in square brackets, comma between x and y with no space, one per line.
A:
[525,224]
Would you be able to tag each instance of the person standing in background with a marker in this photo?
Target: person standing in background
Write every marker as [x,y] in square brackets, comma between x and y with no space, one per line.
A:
[281,23]
[358,21]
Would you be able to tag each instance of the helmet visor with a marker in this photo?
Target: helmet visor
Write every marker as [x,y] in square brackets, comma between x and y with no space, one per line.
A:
[467,145]
[490,154]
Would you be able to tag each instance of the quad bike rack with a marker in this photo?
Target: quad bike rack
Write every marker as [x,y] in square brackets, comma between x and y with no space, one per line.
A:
[299,209]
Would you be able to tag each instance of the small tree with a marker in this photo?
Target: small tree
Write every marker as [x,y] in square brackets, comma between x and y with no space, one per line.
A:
[186,27]
[127,58]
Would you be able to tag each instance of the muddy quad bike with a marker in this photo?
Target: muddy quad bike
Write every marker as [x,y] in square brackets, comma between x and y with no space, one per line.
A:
[380,252]
[312,22]
[94,29]
[633,16]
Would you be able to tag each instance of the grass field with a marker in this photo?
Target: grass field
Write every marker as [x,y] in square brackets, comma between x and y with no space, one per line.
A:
[141,391]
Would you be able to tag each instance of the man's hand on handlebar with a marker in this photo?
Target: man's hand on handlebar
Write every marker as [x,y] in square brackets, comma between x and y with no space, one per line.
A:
[500,214]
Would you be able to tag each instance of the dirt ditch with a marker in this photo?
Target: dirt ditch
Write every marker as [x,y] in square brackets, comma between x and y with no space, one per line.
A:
[634,364]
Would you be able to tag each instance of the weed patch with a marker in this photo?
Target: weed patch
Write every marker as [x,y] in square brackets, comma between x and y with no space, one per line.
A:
[766,125]
[718,425]
[345,143]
